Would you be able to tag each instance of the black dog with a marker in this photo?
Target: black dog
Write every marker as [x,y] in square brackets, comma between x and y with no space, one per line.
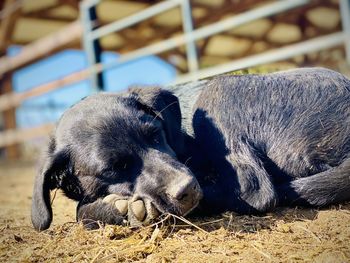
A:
[247,144]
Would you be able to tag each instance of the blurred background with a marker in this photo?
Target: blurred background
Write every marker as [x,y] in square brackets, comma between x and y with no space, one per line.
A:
[55,52]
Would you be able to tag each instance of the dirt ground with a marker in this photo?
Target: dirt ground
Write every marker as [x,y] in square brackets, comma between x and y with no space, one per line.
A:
[287,235]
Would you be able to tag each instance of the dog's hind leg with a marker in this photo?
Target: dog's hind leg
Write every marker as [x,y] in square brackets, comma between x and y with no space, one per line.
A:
[325,188]
[256,188]
[239,182]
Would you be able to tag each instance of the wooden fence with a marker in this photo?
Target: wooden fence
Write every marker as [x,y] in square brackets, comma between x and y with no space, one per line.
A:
[10,100]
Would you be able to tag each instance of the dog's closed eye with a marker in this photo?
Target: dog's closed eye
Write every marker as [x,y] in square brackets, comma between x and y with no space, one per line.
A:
[154,133]
[157,137]
[123,164]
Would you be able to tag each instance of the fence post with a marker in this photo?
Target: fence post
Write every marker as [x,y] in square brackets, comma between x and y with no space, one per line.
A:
[93,49]
[9,117]
[191,49]
[345,15]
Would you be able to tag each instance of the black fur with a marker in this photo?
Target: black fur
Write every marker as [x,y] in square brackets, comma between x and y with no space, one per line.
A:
[117,143]
[252,142]
[275,139]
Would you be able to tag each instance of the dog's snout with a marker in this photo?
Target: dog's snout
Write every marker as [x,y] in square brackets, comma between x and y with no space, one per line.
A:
[187,193]
[181,193]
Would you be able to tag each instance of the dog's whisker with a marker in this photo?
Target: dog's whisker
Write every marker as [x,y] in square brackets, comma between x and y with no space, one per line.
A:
[187,160]
[159,112]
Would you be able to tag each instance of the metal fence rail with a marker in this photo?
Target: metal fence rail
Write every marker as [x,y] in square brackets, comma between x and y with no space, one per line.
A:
[345,16]
[279,54]
[189,36]
[92,35]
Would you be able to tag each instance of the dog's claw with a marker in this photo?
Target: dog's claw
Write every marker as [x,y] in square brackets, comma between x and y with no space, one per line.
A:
[122,206]
[120,203]
[110,198]
[139,210]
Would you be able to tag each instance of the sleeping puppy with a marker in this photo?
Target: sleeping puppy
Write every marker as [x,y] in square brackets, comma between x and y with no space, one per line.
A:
[243,143]
[118,144]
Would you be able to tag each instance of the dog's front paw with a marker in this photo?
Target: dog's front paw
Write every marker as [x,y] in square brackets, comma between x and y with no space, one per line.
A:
[139,212]
[138,209]
[119,202]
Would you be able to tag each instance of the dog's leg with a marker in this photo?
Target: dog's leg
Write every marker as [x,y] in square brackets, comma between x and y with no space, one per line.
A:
[114,209]
[241,184]
[105,211]
[255,185]
[328,187]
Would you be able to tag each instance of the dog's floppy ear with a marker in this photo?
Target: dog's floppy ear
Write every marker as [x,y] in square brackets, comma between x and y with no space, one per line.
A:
[165,105]
[51,170]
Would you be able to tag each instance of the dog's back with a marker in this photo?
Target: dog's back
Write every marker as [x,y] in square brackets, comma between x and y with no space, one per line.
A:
[300,119]
[273,129]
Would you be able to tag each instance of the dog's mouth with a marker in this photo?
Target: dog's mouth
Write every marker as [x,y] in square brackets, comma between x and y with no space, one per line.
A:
[191,209]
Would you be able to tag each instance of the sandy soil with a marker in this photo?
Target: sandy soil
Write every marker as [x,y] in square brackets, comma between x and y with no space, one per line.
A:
[287,235]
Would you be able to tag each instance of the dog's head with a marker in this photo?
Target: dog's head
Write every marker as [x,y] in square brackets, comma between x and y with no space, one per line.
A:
[118,143]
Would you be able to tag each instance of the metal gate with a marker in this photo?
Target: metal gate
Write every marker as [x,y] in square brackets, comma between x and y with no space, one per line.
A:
[91,35]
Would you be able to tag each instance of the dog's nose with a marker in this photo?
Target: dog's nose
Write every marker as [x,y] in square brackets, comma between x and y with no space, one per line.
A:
[185,192]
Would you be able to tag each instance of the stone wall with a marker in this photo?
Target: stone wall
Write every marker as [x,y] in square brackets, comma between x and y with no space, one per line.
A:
[317,19]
